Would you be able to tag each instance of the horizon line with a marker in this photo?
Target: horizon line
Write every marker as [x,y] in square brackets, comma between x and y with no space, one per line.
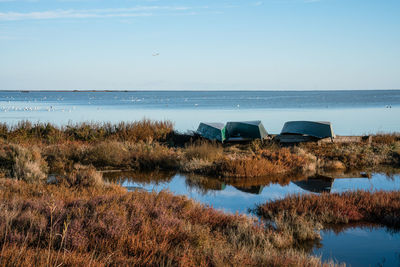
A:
[194,90]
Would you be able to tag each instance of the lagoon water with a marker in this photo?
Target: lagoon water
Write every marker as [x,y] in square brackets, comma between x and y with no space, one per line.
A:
[351,112]
[361,246]
[239,197]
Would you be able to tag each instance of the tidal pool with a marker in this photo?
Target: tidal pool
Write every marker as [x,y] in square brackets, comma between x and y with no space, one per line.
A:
[239,197]
[360,246]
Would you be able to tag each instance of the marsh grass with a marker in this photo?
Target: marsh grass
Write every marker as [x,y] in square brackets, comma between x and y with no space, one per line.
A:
[354,155]
[82,176]
[205,150]
[303,215]
[387,139]
[148,145]
[99,226]
[144,130]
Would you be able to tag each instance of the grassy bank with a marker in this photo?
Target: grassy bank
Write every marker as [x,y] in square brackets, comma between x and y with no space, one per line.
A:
[148,145]
[301,217]
[81,221]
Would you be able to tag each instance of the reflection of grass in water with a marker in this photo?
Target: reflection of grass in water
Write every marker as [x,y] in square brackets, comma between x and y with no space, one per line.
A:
[139,177]
[204,184]
[339,229]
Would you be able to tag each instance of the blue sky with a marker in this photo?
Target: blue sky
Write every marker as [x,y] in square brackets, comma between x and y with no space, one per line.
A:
[199,44]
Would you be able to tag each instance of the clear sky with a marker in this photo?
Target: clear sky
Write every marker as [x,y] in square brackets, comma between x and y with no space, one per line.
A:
[199,44]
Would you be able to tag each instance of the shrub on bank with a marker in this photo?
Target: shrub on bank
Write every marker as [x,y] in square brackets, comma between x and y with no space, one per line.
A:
[27,164]
[82,176]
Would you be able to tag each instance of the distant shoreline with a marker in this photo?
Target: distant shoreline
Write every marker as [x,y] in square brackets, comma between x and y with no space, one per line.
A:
[194,90]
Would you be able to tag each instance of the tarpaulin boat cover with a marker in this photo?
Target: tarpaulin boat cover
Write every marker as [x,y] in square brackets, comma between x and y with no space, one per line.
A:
[317,129]
[246,130]
[212,131]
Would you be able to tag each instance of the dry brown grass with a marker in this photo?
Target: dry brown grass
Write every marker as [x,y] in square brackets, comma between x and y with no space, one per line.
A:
[148,145]
[246,167]
[83,226]
[354,155]
[82,176]
[204,150]
[384,138]
[144,130]
[264,162]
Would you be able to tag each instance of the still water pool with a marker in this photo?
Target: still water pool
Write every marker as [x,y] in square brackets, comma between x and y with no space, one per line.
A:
[360,246]
[239,197]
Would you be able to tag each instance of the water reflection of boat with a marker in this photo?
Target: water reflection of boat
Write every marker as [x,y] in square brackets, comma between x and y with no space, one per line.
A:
[316,184]
[254,189]
[323,183]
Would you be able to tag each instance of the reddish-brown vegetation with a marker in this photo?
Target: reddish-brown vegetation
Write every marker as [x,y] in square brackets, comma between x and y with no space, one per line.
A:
[360,206]
[308,213]
[60,225]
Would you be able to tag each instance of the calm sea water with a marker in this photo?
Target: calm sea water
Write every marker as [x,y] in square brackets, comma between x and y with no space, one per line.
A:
[351,112]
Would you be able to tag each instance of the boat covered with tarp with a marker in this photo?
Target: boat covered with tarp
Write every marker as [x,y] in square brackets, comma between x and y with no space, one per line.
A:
[245,130]
[212,131]
[298,131]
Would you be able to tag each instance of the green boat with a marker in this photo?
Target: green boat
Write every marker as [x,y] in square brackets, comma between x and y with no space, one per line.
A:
[318,129]
[212,131]
[305,131]
[245,130]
